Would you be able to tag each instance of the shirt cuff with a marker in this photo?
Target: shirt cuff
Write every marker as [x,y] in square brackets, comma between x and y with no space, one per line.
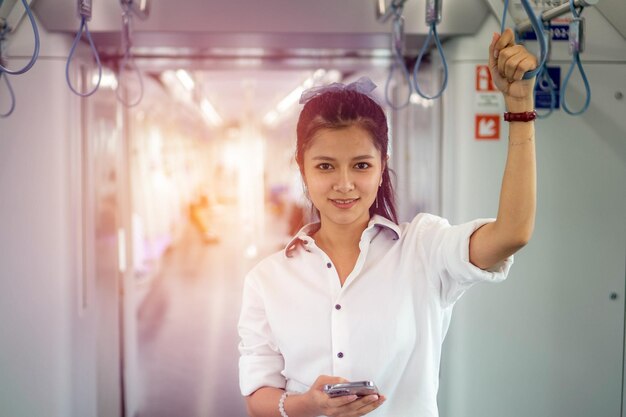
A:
[460,274]
[260,371]
[497,273]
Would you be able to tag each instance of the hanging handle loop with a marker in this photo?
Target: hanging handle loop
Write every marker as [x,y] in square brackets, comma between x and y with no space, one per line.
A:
[33,59]
[537,28]
[83,27]
[433,18]
[11,95]
[127,62]
[397,49]
[576,46]
[544,81]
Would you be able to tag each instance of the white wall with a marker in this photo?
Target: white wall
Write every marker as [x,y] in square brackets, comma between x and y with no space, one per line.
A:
[46,350]
[548,342]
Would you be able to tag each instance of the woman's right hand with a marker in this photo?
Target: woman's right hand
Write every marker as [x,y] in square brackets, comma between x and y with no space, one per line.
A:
[346,406]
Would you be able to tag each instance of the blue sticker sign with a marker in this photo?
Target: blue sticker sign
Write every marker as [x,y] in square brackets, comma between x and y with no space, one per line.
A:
[543,97]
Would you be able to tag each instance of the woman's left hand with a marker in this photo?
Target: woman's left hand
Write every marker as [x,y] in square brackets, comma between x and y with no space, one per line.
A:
[508,63]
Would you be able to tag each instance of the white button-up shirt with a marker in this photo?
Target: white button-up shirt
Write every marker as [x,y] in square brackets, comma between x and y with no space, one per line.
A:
[386,323]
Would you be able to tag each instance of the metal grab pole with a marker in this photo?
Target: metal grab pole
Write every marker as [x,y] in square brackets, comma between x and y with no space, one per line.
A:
[551,14]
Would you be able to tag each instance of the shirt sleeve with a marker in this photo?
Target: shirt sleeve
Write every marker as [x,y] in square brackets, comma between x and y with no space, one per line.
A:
[448,252]
[260,363]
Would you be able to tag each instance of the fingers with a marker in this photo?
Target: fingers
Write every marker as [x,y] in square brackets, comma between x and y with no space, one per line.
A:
[371,403]
[509,60]
[506,39]
[361,406]
[341,401]
[527,64]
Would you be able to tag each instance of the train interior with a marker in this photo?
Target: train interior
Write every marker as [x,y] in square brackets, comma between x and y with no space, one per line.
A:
[129,217]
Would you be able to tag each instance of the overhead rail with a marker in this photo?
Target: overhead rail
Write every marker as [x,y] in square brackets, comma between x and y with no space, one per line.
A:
[84,12]
[553,13]
[130,8]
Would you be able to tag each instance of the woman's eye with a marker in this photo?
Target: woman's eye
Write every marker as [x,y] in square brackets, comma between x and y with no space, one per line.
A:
[362,165]
[324,167]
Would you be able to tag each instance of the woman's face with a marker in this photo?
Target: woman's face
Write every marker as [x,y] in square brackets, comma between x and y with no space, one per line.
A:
[342,171]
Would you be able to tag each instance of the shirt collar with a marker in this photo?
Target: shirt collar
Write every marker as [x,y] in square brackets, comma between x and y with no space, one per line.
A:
[305,233]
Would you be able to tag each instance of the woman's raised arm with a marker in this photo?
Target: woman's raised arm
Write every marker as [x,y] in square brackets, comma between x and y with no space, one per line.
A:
[494,242]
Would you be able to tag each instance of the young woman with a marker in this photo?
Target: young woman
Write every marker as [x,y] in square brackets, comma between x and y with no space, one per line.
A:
[357,296]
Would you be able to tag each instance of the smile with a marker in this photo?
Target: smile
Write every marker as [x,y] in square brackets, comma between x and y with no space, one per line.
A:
[344,204]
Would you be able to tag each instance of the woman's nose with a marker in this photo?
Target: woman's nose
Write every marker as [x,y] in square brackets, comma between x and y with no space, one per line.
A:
[344,183]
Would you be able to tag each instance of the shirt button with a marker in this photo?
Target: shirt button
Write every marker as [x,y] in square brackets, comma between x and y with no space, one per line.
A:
[338,306]
[329,265]
[305,242]
[340,355]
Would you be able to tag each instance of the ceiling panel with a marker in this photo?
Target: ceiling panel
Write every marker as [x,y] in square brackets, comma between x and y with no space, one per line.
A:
[281,23]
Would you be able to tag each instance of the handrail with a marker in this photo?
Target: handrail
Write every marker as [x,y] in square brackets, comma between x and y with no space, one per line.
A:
[553,13]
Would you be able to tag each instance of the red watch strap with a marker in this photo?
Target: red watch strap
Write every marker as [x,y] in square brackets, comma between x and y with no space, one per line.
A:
[526,116]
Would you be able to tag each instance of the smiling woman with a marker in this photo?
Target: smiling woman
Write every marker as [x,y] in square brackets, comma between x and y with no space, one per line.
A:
[375,295]
[357,270]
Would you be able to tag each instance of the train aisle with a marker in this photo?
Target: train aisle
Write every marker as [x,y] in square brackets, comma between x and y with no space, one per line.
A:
[188,358]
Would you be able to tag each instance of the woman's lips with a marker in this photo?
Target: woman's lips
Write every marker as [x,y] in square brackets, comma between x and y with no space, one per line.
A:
[344,203]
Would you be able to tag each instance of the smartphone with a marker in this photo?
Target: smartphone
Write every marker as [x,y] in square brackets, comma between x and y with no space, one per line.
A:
[360,388]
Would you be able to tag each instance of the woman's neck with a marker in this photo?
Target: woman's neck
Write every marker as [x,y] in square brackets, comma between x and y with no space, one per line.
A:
[339,237]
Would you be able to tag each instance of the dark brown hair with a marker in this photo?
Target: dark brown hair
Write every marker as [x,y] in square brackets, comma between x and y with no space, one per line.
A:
[339,109]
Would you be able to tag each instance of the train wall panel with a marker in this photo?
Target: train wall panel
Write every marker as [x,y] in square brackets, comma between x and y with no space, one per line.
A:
[47,358]
[548,341]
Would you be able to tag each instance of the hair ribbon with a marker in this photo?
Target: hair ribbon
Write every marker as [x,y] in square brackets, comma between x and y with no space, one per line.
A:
[363,85]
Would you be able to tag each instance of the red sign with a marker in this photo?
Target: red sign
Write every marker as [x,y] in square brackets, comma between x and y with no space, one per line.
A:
[484,83]
[487,126]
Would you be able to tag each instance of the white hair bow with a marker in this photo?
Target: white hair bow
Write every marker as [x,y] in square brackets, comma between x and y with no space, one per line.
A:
[363,85]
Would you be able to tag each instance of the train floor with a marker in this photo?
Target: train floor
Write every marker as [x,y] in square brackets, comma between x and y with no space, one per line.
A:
[187,322]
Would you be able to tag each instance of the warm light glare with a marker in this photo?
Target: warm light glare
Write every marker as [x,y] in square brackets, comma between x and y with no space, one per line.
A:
[173,83]
[291,99]
[185,79]
[251,252]
[319,76]
[210,113]
[121,247]
[333,76]
[417,99]
[108,80]
[270,118]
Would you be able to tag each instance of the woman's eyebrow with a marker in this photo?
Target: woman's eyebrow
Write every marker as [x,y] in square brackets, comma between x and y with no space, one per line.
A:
[328,158]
